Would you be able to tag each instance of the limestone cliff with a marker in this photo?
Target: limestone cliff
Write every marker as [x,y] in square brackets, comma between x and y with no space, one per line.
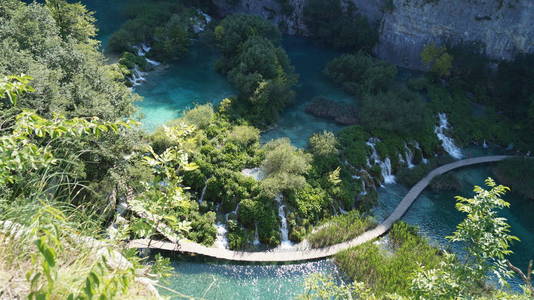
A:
[506,27]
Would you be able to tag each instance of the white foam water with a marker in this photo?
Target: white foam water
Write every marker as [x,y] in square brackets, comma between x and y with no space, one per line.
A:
[385,165]
[221,241]
[284,231]
[447,142]
[408,156]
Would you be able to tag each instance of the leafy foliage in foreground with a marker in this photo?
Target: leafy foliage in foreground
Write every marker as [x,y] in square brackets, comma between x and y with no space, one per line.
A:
[487,241]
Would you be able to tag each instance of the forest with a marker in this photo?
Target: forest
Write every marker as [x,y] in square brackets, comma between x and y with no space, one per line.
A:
[80,177]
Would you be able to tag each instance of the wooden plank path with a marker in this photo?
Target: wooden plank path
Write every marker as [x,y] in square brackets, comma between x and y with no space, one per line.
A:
[311,254]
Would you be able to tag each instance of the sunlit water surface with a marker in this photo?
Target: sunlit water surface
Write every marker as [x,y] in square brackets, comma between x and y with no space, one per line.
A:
[171,90]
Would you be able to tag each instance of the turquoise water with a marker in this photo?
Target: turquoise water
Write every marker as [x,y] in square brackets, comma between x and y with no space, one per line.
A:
[216,280]
[309,60]
[436,216]
[191,81]
[169,91]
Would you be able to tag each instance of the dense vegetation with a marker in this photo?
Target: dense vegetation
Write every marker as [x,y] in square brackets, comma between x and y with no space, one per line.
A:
[340,229]
[340,27]
[257,66]
[70,160]
[166,26]
[518,174]
[415,270]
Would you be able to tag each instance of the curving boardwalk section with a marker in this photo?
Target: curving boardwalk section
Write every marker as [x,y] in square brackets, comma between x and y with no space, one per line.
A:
[300,255]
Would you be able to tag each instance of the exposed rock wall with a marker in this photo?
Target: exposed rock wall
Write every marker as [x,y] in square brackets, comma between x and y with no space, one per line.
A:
[506,27]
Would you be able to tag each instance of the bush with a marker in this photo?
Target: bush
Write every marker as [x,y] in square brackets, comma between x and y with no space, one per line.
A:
[340,228]
[386,272]
[310,203]
[328,22]
[518,173]
[400,111]
[201,116]
[260,71]
[235,30]
[165,25]
[130,61]
[284,166]
[360,74]
[244,135]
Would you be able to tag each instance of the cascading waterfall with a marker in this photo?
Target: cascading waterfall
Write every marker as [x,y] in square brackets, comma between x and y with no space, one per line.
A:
[201,22]
[203,193]
[485,145]
[138,77]
[447,142]
[284,232]
[418,147]
[364,189]
[256,241]
[408,155]
[385,165]
[221,241]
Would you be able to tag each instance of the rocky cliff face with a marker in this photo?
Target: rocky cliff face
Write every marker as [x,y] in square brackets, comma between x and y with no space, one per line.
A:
[506,27]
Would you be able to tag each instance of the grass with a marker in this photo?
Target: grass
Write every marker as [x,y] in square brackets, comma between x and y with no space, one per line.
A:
[386,271]
[340,228]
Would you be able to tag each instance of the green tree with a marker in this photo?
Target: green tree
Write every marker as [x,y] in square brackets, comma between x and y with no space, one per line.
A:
[487,239]
[337,26]
[437,58]
[284,166]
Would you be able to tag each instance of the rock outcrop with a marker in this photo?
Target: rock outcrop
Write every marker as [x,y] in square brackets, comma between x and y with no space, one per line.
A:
[506,27]
[341,113]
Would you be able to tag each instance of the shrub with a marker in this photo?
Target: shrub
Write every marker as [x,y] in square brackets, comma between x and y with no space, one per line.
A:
[201,116]
[518,173]
[360,74]
[341,28]
[399,111]
[340,228]
[386,272]
[284,166]
[260,71]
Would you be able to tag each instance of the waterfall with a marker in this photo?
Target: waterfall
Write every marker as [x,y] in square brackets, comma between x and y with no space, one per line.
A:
[418,147]
[408,154]
[447,142]
[364,189]
[256,173]
[137,77]
[485,145]
[142,49]
[284,232]
[221,241]
[200,22]
[203,193]
[387,174]
[232,212]
[152,62]
[256,241]
[385,166]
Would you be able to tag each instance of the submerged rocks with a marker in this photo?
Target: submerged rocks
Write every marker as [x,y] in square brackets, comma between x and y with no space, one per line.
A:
[342,113]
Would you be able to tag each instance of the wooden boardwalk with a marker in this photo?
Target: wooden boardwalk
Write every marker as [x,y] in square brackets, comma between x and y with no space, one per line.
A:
[311,254]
